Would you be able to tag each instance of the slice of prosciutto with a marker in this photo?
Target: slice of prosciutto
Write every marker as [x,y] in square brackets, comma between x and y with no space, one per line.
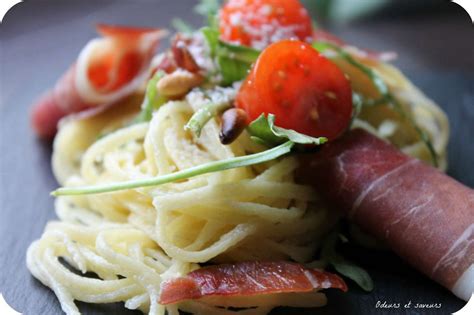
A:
[108,69]
[425,216]
[247,279]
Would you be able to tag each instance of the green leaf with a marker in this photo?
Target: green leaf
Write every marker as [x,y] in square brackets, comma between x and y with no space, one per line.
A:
[264,129]
[386,96]
[211,167]
[355,273]
[233,61]
[231,70]
[343,266]
[212,37]
[260,129]
[152,99]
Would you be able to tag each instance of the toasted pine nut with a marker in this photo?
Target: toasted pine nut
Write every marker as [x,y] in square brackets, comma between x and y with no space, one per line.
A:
[178,83]
[234,121]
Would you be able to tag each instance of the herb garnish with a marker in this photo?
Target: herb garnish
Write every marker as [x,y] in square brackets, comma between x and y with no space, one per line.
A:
[343,266]
[234,61]
[264,131]
[152,100]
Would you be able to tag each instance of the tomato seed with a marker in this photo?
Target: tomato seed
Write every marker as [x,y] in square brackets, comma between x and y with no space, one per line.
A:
[331,95]
[313,114]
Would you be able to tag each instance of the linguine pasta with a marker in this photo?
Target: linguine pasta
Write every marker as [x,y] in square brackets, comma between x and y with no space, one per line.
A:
[135,239]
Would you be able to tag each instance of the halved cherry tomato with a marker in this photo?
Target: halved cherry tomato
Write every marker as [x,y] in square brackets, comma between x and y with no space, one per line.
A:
[258,23]
[305,91]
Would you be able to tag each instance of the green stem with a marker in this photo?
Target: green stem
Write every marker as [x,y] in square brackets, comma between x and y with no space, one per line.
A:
[384,91]
[211,167]
[204,114]
[152,99]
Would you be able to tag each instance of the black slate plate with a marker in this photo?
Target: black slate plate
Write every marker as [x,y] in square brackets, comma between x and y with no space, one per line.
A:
[39,40]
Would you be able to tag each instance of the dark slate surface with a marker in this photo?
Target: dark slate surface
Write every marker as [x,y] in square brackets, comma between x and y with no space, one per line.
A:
[39,39]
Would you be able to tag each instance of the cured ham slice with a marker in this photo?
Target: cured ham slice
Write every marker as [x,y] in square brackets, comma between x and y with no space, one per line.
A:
[425,216]
[108,69]
[247,279]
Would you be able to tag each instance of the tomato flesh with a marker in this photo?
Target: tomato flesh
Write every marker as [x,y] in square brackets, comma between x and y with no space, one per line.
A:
[304,90]
[258,23]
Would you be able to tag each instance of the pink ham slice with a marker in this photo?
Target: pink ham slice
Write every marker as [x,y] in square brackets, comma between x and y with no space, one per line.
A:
[425,216]
[108,69]
[247,279]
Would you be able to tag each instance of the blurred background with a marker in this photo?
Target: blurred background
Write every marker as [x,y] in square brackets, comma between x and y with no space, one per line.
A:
[436,27]
[346,11]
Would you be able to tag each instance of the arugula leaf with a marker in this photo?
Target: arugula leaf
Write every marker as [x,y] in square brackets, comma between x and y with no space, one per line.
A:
[212,37]
[211,167]
[386,96]
[343,266]
[263,130]
[353,272]
[234,61]
[152,99]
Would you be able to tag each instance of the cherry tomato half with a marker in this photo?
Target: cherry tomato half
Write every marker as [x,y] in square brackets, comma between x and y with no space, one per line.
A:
[258,23]
[305,91]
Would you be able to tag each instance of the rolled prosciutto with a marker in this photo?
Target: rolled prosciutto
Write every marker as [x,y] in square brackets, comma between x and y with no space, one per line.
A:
[247,279]
[425,216]
[108,69]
